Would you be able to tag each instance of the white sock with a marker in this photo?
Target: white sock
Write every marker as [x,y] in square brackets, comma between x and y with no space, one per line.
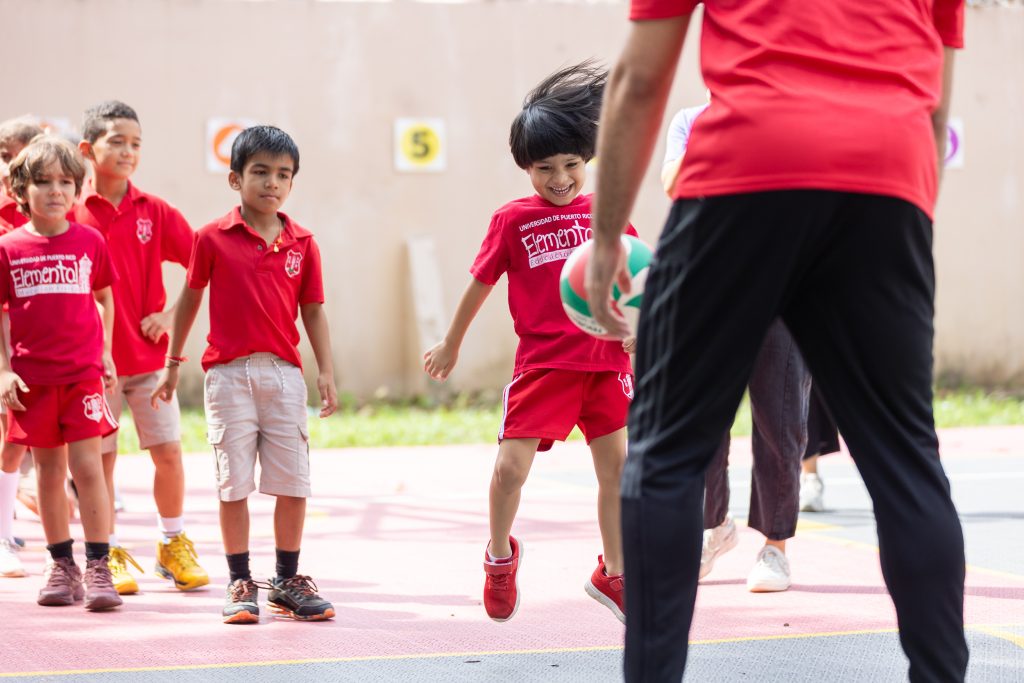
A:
[492,558]
[171,526]
[8,494]
[113,541]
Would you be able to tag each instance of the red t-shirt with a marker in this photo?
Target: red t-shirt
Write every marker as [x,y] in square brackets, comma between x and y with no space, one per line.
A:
[529,239]
[10,216]
[817,95]
[56,331]
[255,290]
[142,232]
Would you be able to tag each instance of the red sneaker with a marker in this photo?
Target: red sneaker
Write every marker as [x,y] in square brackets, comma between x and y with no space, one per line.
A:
[610,591]
[501,589]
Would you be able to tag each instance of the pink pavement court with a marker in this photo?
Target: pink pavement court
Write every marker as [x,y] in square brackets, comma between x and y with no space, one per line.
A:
[395,539]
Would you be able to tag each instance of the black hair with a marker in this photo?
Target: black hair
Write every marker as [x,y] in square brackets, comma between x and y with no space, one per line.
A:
[94,123]
[560,115]
[256,139]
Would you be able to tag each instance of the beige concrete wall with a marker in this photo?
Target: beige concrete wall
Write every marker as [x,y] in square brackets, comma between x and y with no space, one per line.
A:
[336,75]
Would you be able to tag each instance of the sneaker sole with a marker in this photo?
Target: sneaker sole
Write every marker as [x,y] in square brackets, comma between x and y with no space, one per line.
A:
[812,507]
[165,573]
[127,589]
[278,610]
[243,617]
[502,620]
[103,603]
[768,587]
[592,591]
[54,601]
[14,574]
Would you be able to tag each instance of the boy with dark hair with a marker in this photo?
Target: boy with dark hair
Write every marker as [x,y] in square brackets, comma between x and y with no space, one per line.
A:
[563,377]
[262,269]
[53,384]
[142,232]
[15,134]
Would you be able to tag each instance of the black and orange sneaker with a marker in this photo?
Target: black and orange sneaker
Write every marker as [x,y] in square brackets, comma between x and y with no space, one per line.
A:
[241,602]
[297,598]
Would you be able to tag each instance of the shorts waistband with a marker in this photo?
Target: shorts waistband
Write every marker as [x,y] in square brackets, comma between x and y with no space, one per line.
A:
[259,359]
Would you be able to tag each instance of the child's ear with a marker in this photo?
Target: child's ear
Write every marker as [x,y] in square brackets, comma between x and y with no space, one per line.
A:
[235,181]
[85,147]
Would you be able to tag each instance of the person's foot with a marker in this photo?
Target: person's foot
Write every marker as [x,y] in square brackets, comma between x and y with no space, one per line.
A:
[501,586]
[610,591]
[10,563]
[100,593]
[124,582]
[176,560]
[63,583]
[812,490]
[241,602]
[297,598]
[770,573]
[717,542]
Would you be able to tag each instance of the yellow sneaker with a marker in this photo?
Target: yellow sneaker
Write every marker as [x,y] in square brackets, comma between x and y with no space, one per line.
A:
[176,560]
[124,583]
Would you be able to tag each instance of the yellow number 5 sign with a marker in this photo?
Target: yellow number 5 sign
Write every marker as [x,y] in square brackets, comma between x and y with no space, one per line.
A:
[419,145]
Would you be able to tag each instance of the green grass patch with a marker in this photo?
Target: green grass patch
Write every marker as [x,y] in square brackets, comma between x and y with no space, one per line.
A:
[416,424]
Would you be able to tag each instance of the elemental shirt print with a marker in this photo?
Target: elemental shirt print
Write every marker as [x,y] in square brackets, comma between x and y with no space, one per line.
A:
[48,284]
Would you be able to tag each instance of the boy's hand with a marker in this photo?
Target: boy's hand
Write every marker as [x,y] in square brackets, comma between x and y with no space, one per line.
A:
[629,344]
[109,372]
[165,386]
[10,385]
[156,325]
[328,394]
[439,361]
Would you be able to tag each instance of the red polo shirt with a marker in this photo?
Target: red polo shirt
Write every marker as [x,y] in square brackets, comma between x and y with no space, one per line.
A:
[817,95]
[10,216]
[142,232]
[255,290]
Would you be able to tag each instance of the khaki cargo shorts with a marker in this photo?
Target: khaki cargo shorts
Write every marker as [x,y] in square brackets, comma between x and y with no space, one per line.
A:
[256,412]
[154,426]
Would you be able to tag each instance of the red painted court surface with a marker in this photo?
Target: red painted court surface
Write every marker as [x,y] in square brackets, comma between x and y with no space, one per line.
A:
[395,539]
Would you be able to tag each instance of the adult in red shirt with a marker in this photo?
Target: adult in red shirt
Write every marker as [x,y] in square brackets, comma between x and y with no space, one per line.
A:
[807,194]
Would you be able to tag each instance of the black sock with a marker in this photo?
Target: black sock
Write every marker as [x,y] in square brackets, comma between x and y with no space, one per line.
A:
[287,563]
[238,566]
[96,551]
[62,549]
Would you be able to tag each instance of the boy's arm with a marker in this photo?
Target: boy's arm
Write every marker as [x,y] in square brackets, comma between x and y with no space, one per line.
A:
[185,312]
[177,239]
[440,360]
[105,300]
[10,382]
[940,117]
[315,321]
[156,325]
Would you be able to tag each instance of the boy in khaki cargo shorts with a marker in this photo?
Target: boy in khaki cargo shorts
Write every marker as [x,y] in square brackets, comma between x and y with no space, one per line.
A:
[262,269]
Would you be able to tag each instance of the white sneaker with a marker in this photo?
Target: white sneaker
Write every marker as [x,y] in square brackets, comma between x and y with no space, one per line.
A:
[717,541]
[10,563]
[812,490]
[770,573]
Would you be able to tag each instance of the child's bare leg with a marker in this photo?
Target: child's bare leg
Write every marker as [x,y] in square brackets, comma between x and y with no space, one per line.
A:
[515,457]
[51,475]
[168,479]
[109,461]
[10,457]
[86,464]
[609,454]
[234,526]
[809,465]
[289,519]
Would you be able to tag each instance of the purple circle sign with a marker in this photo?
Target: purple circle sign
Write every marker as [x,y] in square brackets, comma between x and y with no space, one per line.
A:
[952,143]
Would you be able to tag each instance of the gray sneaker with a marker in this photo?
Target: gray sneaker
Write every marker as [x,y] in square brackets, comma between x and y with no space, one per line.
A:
[241,602]
[770,573]
[100,593]
[297,598]
[63,583]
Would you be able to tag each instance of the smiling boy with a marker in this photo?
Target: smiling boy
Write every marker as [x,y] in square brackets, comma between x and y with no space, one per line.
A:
[142,232]
[563,377]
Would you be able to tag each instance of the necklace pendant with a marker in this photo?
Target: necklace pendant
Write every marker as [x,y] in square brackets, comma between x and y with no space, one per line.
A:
[275,247]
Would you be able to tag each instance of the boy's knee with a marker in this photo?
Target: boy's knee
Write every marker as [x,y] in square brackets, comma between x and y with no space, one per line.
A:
[510,474]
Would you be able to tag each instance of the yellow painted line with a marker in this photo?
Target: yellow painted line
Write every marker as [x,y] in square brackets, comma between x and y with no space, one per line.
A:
[990,629]
[1014,638]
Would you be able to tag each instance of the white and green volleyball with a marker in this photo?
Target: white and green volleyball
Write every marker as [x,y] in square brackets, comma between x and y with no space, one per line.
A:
[574,293]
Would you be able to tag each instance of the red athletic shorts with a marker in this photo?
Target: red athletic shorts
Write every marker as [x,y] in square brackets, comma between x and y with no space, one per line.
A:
[58,414]
[546,404]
